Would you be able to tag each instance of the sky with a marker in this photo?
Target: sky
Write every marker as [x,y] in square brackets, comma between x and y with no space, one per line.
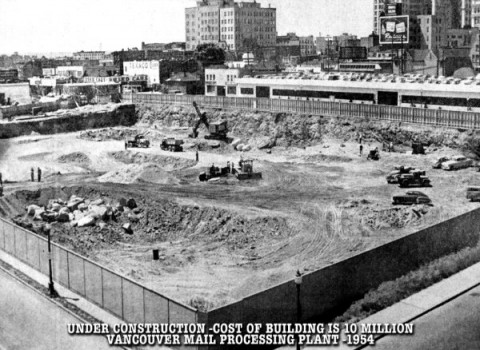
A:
[55,26]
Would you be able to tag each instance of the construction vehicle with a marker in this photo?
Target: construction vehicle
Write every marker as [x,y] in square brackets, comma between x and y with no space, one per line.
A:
[214,172]
[245,171]
[417,148]
[172,145]
[138,141]
[414,178]
[412,197]
[374,154]
[218,130]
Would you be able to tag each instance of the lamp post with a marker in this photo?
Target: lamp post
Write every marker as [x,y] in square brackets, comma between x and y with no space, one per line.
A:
[298,283]
[51,287]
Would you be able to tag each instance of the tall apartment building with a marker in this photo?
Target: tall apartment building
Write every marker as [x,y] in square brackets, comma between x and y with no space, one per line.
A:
[234,26]
[475,13]
[89,55]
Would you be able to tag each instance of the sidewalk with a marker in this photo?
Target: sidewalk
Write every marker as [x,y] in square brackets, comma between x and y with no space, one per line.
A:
[74,299]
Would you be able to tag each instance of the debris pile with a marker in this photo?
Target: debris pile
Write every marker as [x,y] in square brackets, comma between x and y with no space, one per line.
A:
[75,157]
[392,217]
[108,134]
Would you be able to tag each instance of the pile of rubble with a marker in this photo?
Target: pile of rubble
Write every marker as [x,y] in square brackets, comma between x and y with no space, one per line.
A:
[108,134]
[80,212]
[393,217]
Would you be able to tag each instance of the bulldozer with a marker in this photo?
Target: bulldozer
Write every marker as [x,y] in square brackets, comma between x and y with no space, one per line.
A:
[217,131]
[172,145]
[214,172]
[245,171]
[138,141]
[414,178]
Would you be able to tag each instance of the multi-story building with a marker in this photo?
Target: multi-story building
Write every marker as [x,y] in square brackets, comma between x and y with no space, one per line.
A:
[89,55]
[433,32]
[221,81]
[466,13]
[235,26]
[307,46]
[474,13]
[70,71]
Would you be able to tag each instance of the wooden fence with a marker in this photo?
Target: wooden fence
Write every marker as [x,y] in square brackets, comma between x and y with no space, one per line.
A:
[446,118]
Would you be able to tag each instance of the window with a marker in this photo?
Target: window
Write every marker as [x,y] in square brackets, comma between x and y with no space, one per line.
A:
[210,88]
[246,91]
[232,90]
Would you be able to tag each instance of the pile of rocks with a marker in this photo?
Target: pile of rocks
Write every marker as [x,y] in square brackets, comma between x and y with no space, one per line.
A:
[80,212]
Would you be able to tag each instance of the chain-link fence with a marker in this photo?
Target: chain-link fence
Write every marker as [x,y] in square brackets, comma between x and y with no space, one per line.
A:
[119,295]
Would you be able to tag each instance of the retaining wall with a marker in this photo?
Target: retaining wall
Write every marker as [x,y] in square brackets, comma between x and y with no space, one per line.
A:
[122,115]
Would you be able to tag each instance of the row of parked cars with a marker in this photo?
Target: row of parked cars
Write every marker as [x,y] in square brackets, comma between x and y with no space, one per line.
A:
[409,176]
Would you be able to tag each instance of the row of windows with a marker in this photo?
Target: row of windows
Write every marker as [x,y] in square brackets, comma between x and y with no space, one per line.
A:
[324,94]
[441,101]
[210,77]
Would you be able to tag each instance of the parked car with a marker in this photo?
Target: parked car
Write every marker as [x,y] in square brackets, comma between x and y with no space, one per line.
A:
[412,197]
[473,193]
[440,161]
[457,162]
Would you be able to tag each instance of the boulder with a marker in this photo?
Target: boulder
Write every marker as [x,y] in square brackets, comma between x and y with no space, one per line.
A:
[49,216]
[133,217]
[123,202]
[73,204]
[63,217]
[71,217]
[82,206]
[98,212]
[128,228]
[102,225]
[32,209]
[240,147]
[214,144]
[247,148]
[131,203]
[78,215]
[97,202]
[264,142]
[86,221]
[236,142]
[64,210]
[38,214]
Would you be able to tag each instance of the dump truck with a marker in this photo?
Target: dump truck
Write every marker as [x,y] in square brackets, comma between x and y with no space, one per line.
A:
[217,130]
[374,154]
[414,178]
[245,171]
[418,148]
[171,144]
[392,177]
[138,141]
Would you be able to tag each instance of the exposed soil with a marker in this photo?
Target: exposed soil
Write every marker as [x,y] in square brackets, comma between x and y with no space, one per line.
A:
[318,202]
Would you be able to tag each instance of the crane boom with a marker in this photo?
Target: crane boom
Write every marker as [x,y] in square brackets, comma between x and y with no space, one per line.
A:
[202,118]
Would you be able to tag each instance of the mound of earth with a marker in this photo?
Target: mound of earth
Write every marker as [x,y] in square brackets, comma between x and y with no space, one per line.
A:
[168,163]
[108,134]
[75,157]
[132,173]
[314,158]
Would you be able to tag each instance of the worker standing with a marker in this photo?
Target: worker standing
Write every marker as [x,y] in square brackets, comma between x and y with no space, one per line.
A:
[32,174]
[390,147]
[39,174]
[361,149]
[196,155]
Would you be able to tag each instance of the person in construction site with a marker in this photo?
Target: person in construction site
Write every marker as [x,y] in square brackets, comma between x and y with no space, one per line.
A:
[361,149]
[228,166]
[32,174]
[212,169]
[39,174]
[390,147]
[196,155]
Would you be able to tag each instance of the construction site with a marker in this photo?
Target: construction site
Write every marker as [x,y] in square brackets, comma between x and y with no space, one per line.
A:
[208,206]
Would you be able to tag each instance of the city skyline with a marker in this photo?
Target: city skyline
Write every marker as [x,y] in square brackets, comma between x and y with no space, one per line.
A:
[112,25]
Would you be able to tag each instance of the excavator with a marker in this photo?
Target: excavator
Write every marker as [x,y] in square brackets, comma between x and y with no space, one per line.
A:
[218,130]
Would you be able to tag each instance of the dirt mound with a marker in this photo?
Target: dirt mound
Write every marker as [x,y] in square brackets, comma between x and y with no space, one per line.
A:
[140,173]
[396,217]
[168,163]
[35,156]
[108,134]
[326,158]
[75,157]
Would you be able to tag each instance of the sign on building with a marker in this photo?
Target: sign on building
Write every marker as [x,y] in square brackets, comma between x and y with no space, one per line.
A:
[353,53]
[394,30]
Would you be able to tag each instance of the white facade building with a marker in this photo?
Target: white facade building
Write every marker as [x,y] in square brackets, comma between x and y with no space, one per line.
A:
[221,81]
[149,68]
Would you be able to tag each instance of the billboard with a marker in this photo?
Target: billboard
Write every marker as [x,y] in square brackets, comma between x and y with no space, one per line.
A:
[353,53]
[394,30]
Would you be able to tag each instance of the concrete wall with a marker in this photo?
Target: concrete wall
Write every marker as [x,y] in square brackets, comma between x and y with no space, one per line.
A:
[336,286]
[122,115]
[17,92]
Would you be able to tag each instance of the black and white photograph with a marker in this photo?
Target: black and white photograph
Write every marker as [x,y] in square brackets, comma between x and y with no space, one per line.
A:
[240,174]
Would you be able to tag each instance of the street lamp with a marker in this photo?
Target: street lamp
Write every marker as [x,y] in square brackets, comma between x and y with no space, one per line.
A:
[51,287]
[298,283]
